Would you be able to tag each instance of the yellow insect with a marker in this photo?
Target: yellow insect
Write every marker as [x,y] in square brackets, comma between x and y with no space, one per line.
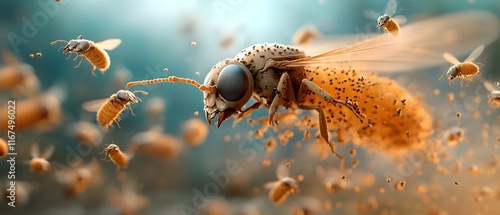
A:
[94,52]
[116,155]
[4,148]
[280,189]
[109,110]
[361,107]
[463,70]
[39,162]
[494,97]
[387,21]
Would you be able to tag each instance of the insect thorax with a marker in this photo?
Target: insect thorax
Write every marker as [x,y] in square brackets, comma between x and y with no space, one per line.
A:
[266,82]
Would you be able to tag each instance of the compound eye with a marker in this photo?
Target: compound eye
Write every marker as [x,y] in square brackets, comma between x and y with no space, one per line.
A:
[232,84]
[122,95]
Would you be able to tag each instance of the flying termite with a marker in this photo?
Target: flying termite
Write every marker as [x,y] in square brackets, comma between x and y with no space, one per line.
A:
[39,162]
[94,52]
[463,70]
[109,110]
[337,83]
[113,152]
[280,189]
[494,97]
[387,21]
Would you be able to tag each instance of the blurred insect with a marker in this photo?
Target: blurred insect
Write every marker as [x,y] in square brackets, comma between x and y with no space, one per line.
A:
[86,132]
[280,189]
[109,110]
[3,148]
[39,163]
[127,200]
[194,131]
[335,81]
[116,155]
[386,21]
[494,97]
[18,76]
[94,52]
[21,191]
[305,35]
[81,177]
[463,70]
[154,142]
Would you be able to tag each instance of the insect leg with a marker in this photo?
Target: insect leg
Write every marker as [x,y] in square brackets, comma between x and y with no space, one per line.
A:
[246,112]
[69,56]
[327,97]
[58,41]
[323,129]
[79,62]
[280,91]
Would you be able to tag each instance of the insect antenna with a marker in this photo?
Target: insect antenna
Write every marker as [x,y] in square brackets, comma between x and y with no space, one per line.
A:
[173,79]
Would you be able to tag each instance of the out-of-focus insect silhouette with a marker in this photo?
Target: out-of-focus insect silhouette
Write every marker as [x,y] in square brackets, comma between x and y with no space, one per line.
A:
[94,52]
[39,162]
[18,76]
[463,70]
[109,110]
[387,21]
[336,83]
[280,189]
[494,97]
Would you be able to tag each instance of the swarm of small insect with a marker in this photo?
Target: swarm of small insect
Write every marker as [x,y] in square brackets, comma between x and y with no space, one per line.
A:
[155,143]
[18,76]
[113,152]
[94,52]
[39,162]
[280,189]
[4,148]
[387,21]
[463,70]
[194,131]
[109,110]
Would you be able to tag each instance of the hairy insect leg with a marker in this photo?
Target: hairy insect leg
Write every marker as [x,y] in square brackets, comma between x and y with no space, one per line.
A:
[329,98]
[278,98]
[79,62]
[246,112]
[323,129]
[130,108]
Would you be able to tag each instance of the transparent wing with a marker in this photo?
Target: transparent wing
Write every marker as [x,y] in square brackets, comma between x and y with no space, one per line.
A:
[48,152]
[450,58]
[109,44]
[475,54]
[35,151]
[391,7]
[270,185]
[419,45]
[399,19]
[371,14]
[488,85]
[93,105]
[282,171]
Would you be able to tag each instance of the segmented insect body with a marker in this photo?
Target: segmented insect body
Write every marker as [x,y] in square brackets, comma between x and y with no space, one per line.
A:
[281,189]
[363,107]
[386,21]
[94,52]
[39,162]
[110,109]
[116,155]
[463,70]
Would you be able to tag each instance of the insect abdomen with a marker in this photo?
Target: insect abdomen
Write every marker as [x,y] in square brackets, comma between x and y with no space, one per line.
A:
[281,192]
[109,112]
[119,159]
[396,125]
[98,58]
[468,69]
[392,27]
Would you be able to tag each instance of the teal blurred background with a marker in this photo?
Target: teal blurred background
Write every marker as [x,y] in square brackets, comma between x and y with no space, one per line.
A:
[158,34]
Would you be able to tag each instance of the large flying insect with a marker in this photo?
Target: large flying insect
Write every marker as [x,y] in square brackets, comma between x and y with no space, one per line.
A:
[94,52]
[336,82]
